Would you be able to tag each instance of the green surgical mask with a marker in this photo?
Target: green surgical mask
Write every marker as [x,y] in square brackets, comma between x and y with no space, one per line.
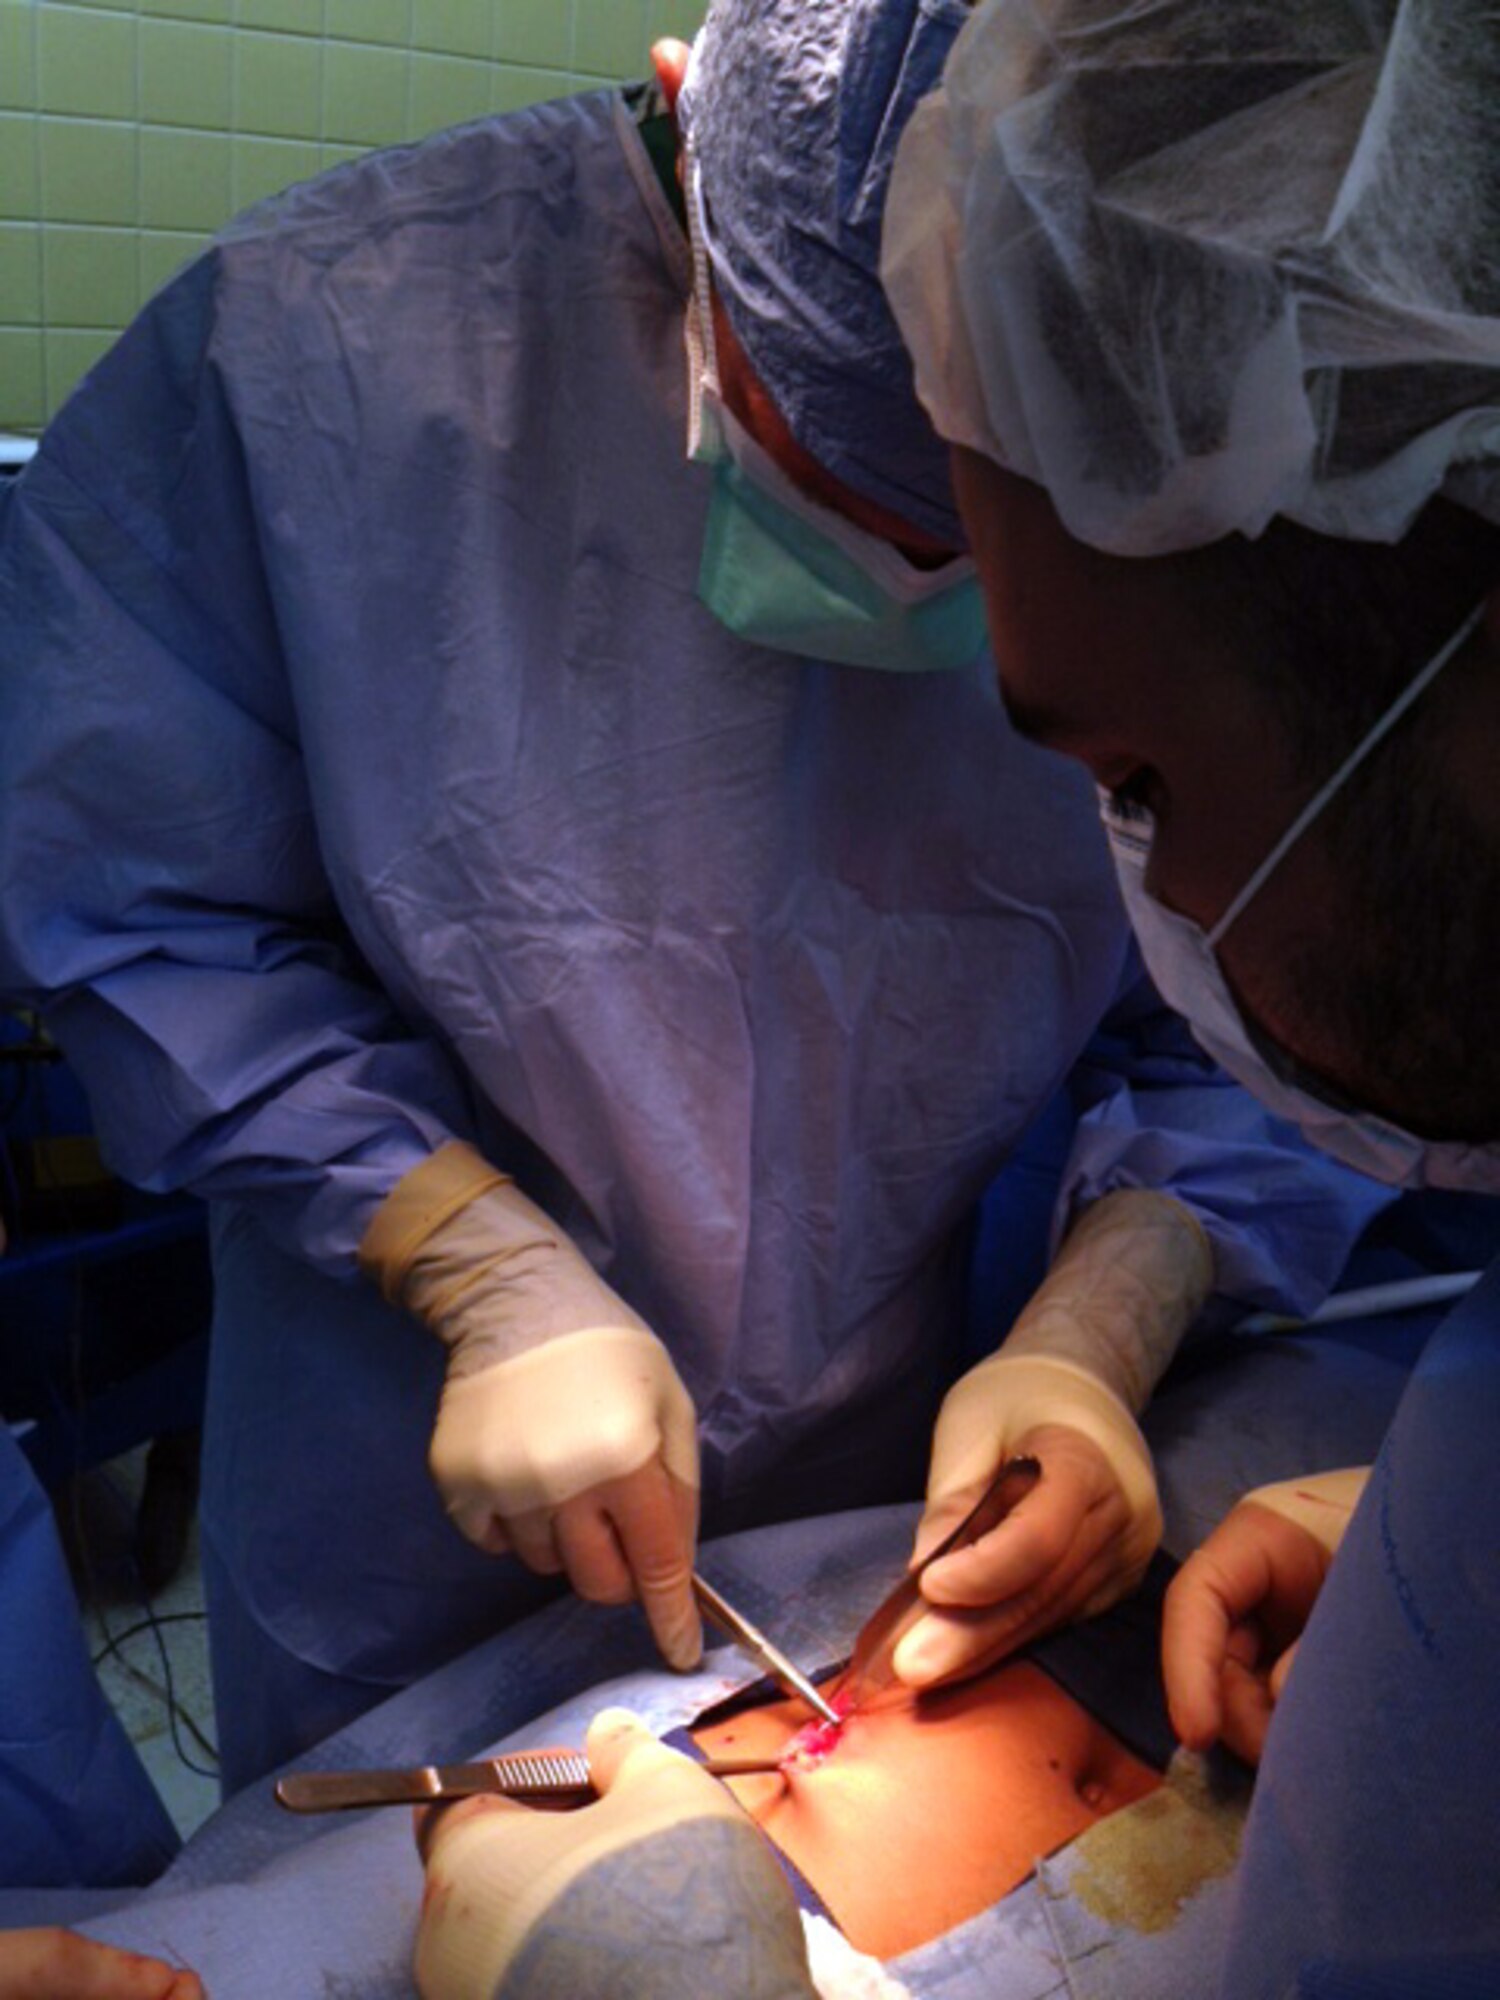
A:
[780,570]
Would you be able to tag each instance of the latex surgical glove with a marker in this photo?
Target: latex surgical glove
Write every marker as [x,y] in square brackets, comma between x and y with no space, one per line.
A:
[1236,1608]
[1080,1361]
[664,1890]
[564,1433]
[53,1964]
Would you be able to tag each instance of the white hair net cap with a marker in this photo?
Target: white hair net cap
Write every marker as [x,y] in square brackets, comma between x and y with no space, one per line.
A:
[1193,263]
[793,110]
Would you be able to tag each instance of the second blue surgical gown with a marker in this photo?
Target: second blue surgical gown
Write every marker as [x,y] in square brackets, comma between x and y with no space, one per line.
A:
[371,774]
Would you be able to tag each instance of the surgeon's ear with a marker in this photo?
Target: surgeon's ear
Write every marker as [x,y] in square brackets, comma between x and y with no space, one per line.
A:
[670,60]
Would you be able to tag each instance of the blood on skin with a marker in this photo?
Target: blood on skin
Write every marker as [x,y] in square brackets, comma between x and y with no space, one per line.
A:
[934,1806]
[817,1739]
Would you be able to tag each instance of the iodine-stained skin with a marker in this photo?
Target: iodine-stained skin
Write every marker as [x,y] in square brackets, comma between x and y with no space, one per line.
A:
[917,1812]
[1142,1866]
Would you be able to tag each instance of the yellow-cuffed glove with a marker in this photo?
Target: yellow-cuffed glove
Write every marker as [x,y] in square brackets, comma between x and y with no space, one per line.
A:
[664,1890]
[564,1433]
[1235,1610]
[1081,1359]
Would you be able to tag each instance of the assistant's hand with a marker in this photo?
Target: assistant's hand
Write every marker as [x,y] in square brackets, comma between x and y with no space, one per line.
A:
[53,1964]
[1082,1357]
[664,1890]
[1236,1608]
[564,1433]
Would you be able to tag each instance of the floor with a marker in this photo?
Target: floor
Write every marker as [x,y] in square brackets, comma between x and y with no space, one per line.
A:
[151,1655]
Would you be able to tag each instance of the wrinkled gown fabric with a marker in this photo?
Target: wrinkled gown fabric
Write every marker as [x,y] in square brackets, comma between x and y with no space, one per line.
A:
[371,775]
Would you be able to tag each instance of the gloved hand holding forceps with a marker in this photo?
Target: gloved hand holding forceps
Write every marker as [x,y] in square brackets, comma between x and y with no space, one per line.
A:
[1064,1388]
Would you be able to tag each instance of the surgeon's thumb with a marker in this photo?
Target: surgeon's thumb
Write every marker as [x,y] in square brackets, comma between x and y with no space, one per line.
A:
[643,1785]
[614,1736]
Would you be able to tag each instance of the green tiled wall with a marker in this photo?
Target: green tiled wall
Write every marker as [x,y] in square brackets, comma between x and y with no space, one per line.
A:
[131,129]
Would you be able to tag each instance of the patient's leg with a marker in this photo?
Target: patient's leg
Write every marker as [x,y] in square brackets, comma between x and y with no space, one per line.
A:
[926,1810]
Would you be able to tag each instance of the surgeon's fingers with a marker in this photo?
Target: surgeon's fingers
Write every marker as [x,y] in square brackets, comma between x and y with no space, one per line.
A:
[1202,1605]
[433,1823]
[952,1643]
[611,1736]
[54,1964]
[1250,1695]
[1257,1568]
[470,1507]
[644,1781]
[617,1737]
[940,1517]
[530,1537]
[1247,1706]
[645,1785]
[1074,1509]
[635,1536]
[590,1551]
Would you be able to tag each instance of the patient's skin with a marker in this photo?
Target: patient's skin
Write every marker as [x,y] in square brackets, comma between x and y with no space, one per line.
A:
[930,1808]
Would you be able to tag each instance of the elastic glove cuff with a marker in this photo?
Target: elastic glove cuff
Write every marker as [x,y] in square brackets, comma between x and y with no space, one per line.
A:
[460,1246]
[1322,1503]
[417,1207]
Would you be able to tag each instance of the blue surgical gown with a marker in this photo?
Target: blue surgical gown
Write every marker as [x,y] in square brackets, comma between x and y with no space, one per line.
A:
[371,774]
[76,1803]
[1371,1863]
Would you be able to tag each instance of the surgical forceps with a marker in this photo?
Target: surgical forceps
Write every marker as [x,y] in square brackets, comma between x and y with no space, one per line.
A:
[750,1639]
[558,1778]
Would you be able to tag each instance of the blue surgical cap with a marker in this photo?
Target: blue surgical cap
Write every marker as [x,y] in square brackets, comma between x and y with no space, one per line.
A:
[793,109]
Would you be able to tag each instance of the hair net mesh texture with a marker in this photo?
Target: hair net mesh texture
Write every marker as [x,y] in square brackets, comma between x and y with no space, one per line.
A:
[794,109]
[1193,263]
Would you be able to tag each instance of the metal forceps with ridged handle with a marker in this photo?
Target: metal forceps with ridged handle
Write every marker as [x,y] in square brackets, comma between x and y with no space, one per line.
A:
[556,1778]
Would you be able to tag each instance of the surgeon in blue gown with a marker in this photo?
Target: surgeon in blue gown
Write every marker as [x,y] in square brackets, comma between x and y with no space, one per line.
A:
[529,833]
[1216,325]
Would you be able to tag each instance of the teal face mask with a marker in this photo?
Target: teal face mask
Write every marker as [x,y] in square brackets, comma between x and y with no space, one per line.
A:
[781,571]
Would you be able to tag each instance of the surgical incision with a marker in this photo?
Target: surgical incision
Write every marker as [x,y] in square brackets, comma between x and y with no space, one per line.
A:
[913,1813]
[816,1740]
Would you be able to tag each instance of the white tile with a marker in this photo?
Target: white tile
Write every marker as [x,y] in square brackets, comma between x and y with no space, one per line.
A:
[188,1796]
